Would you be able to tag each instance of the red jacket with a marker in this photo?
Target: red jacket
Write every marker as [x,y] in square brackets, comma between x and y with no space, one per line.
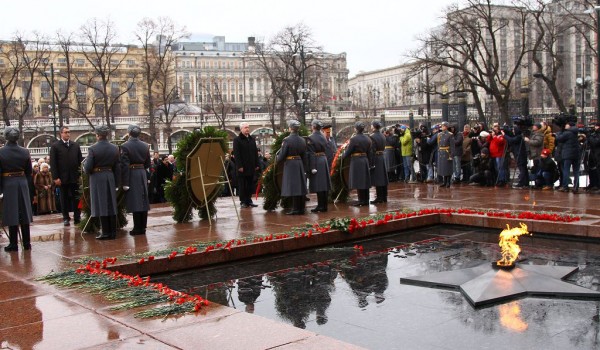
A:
[497,146]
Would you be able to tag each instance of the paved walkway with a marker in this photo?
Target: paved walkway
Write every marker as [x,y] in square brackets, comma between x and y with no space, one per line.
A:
[37,315]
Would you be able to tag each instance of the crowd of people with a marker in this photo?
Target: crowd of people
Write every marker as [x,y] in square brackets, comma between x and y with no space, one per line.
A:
[525,155]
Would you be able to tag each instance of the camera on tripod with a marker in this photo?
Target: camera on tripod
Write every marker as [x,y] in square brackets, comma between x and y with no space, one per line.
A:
[523,121]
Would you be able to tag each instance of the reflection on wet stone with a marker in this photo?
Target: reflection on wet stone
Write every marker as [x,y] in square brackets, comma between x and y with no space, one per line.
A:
[356,297]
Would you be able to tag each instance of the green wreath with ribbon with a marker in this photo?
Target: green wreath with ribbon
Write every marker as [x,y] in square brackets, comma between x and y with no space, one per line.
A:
[176,191]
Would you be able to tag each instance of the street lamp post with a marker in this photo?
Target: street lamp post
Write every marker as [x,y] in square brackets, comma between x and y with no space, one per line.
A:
[303,91]
[597,8]
[583,84]
[53,100]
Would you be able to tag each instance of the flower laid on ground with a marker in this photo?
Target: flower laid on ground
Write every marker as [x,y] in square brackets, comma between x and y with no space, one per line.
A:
[134,291]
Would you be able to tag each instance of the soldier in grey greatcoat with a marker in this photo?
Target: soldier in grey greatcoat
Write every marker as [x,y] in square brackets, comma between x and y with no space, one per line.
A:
[15,167]
[379,175]
[135,161]
[392,144]
[104,168]
[293,153]
[445,143]
[318,167]
[359,152]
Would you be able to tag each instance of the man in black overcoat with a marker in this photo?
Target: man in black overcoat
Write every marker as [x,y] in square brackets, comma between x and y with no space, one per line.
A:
[65,162]
[245,154]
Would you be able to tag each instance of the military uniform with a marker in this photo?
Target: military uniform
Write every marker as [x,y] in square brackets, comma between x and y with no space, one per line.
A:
[389,155]
[15,168]
[445,143]
[318,169]
[293,153]
[135,160]
[103,166]
[379,176]
[359,152]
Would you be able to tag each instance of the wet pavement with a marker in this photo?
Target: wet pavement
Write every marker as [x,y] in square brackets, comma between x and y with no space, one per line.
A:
[47,317]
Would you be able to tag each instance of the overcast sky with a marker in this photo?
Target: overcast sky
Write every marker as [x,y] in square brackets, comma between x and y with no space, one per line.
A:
[375,34]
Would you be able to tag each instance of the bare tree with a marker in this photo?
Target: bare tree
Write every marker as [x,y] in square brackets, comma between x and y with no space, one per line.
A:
[216,101]
[293,61]
[21,61]
[107,58]
[472,48]
[156,38]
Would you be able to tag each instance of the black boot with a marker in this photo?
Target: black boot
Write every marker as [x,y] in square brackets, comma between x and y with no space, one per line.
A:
[323,201]
[13,233]
[105,230]
[26,237]
[144,221]
[137,224]
[113,226]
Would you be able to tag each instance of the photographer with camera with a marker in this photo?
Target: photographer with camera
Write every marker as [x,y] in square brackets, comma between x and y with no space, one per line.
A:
[593,140]
[423,153]
[516,143]
[467,156]
[536,144]
[457,155]
[432,142]
[570,154]
[406,146]
[498,151]
[389,154]
[547,172]
[483,168]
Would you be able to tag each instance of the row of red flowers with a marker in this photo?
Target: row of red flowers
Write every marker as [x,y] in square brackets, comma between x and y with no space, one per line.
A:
[352,224]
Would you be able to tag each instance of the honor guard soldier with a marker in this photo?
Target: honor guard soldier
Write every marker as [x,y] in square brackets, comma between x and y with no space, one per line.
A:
[389,154]
[318,167]
[359,152]
[445,143]
[15,166]
[104,168]
[135,161]
[379,177]
[293,153]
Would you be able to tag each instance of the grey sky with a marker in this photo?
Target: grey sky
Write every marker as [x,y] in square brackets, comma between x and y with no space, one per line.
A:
[375,34]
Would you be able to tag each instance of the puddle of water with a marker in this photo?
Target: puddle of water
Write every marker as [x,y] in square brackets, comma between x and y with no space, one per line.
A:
[354,294]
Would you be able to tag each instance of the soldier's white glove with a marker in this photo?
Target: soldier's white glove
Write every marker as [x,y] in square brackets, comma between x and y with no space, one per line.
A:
[1,195]
[117,189]
[314,171]
[125,188]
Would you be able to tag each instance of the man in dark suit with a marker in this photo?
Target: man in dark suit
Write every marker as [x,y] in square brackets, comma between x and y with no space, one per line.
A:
[135,159]
[245,154]
[103,165]
[65,160]
[15,170]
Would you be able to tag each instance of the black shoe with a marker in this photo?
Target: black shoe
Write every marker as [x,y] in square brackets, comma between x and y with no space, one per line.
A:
[137,233]
[293,212]
[318,210]
[377,200]
[26,246]
[11,248]
[66,222]
[244,205]
[76,221]
[360,204]
[252,205]
[103,237]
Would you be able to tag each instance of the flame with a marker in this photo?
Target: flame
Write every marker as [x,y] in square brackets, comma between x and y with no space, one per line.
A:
[510,317]
[508,242]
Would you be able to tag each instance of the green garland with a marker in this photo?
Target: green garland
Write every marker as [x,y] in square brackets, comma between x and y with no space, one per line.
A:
[271,195]
[176,191]
[338,191]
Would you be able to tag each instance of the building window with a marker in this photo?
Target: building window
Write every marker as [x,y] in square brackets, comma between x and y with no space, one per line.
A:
[241,98]
[99,110]
[115,89]
[62,88]
[132,109]
[45,90]
[62,62]
[130,63]
[232,98]
[132,91]
[115,109]
[79,62]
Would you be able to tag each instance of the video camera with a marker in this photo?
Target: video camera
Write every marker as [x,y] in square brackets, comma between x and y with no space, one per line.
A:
[523,121]
[563,119]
